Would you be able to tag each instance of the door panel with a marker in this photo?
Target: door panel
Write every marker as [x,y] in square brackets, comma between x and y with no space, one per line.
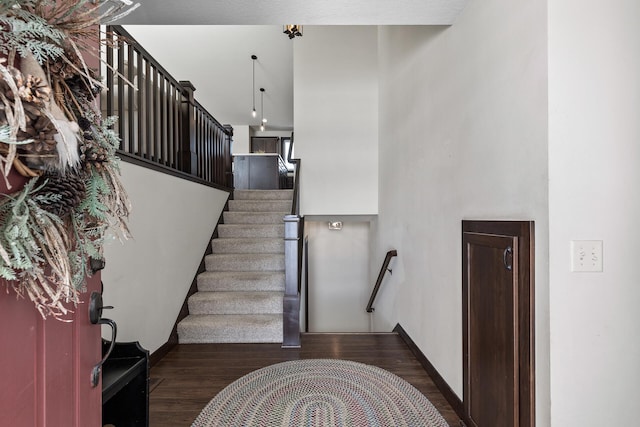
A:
[498,373]
[45,365]
[492,341]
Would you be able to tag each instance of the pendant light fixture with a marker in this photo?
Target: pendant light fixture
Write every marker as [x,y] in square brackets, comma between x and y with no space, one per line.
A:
[253,91]
[263,121]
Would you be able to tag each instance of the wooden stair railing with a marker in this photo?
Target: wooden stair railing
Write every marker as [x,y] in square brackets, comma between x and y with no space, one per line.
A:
[161,125]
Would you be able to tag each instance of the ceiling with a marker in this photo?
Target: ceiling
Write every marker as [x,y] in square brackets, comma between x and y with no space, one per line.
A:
[306,12]
[210,43]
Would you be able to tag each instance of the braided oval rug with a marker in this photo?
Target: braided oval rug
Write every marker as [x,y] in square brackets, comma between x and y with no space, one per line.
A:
[320,393]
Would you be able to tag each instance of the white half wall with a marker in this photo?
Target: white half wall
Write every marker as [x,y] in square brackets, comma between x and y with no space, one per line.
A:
[336,119]
[594,172]
[339,281]
[146,279]
[463,135]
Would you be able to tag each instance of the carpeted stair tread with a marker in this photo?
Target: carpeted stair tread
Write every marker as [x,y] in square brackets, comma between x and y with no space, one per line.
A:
[240,295]
[251,230]
[244,262]
[263,194]
[236,302]
[247,245]
[239,217]
[237,328]
[259,205]
[223,281]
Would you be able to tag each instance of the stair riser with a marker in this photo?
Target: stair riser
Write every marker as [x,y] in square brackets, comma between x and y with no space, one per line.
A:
[247,246]
[237,263]
[249,231]
[225,283]
[254,217]
[266,305]
[231,331]
[263,195]
[259,206]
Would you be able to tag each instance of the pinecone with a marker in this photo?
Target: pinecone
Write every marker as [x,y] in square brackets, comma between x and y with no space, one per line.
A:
[34,90]
[93,156]
[83,87]
[61,69]
[70,186]
[85,125]
[30,88]
[42,151]
[34,93]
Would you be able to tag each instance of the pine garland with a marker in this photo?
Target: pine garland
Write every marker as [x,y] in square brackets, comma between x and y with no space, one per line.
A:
[29,34]
[54,226]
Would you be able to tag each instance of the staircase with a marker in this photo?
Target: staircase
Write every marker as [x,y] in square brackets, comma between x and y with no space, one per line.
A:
[239,298]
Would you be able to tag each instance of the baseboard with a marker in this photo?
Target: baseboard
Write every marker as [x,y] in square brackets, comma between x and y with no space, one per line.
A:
[442,385]
[161,352]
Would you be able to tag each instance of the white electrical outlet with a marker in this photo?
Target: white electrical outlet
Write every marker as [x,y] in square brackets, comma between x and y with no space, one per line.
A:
[586,255]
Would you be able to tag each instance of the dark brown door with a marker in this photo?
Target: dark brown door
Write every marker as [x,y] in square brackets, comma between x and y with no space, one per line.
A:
[498,323]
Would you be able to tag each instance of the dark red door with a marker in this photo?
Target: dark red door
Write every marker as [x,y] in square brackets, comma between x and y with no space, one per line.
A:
[45,365]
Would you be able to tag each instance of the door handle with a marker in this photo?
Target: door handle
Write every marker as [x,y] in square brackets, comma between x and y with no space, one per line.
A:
[95,317]
[508,253]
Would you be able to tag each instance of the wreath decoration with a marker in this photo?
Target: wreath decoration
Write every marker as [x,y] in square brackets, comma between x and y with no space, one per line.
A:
[52,132]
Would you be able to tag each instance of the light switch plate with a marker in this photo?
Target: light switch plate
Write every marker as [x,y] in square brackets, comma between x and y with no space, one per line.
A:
[586,255]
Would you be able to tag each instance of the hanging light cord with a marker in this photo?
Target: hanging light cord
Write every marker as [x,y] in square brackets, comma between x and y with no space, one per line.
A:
[253,92]
[262,109]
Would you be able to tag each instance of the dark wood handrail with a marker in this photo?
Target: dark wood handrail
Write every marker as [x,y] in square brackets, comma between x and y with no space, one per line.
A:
[383,270]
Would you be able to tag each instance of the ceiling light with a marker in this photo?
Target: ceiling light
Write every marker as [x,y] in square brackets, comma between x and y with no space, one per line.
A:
[292,30]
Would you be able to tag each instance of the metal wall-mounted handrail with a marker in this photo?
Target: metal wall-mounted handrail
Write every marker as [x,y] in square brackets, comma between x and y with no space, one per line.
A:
[385,267]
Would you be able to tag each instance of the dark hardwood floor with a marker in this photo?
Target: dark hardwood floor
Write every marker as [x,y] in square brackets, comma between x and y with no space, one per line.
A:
[189,376]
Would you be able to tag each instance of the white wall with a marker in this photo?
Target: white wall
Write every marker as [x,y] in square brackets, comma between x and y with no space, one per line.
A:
[339,281]
[463,135]
[146,279]
[336,119]
[217,61]
[241,138]
[594,171]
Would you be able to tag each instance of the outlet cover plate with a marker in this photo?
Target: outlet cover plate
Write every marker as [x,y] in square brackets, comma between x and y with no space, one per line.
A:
[586,255]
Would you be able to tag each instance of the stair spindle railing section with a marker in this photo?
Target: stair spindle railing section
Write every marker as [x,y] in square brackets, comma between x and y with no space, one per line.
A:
[293,258]
[385,267]
[160,124]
